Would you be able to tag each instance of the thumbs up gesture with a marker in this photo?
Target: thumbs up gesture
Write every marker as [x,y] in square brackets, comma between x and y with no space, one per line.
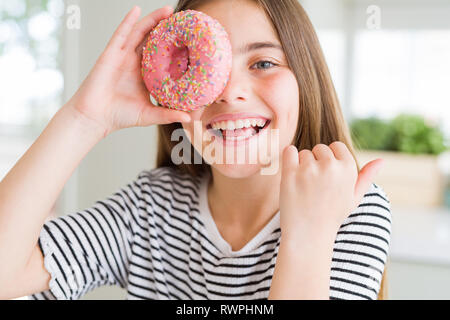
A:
[321,188]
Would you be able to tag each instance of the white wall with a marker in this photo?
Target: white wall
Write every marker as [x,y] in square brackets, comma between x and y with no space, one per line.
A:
[395,14]
[418,281]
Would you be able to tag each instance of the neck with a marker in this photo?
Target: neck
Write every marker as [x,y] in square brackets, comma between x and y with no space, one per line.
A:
[248,203]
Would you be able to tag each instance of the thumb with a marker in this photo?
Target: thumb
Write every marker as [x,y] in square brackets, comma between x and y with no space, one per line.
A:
[365,178]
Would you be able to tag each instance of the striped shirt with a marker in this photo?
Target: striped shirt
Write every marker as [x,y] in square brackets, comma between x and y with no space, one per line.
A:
[156,238]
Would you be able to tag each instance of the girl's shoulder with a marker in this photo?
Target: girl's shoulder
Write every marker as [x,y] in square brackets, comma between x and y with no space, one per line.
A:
[374,206]
[170,181]
[377,195]
[167,174]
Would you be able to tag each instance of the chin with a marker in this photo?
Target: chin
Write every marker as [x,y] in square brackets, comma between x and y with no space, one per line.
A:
[237,171]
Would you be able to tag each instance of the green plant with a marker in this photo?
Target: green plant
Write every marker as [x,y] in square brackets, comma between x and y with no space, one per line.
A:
[408,133]
[372,133]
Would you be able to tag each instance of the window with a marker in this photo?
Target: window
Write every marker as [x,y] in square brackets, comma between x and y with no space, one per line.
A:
[403,66]
[30,78]
[402,71]
[333,47]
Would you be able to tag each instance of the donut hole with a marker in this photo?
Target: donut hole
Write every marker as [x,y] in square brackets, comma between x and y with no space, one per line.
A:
[179,62]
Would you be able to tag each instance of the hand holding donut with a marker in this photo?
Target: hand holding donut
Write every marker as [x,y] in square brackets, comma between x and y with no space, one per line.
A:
[320,188]
[113,95]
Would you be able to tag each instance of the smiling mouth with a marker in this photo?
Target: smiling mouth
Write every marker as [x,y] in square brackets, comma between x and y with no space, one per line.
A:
[237,134]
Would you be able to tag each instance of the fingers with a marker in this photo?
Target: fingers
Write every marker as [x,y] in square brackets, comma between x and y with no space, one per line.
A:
[340,151]
[365,178]
[122,33]
[290,160]
[322,152]
[151,115]
[144,26]
[305,156]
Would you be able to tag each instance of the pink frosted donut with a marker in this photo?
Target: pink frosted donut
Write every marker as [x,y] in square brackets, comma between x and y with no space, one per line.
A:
[187,61]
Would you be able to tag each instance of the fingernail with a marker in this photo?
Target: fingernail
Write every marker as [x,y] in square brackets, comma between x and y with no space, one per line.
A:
[135,8]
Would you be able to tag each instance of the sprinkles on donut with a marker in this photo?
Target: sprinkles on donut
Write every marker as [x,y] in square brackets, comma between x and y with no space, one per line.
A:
[187,61]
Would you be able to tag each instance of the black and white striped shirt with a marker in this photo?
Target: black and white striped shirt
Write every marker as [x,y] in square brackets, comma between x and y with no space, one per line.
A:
[156,238]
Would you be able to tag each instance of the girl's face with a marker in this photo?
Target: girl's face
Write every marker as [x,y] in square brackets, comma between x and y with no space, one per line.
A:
[260,83]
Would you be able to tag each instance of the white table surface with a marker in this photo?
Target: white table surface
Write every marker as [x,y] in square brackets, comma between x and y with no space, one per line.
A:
[421,235]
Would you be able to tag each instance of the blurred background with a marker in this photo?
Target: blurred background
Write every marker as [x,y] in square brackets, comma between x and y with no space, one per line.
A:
[391,68]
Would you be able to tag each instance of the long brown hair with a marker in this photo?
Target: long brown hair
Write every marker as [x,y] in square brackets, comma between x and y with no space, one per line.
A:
[320,116]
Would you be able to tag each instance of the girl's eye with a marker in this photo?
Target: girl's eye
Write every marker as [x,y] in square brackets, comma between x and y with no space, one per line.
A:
[264,64]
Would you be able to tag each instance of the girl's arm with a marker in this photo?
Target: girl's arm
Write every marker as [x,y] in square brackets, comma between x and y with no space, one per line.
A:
[302,270]
[319,189]
[30,189]
[112,97]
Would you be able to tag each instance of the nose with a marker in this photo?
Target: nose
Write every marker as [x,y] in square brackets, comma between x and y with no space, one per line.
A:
[236,89]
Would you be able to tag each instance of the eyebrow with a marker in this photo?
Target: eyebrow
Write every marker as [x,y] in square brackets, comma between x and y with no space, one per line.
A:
[259,45]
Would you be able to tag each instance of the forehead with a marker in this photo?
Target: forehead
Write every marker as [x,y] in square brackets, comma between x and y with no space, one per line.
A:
[244,21]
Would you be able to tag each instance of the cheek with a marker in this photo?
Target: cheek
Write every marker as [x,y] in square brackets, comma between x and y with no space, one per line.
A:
[281,93]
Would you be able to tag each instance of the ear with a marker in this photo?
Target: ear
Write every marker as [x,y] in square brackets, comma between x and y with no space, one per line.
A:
[365,178]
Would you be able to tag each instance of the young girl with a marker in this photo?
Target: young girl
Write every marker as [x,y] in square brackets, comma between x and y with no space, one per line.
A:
[316,229]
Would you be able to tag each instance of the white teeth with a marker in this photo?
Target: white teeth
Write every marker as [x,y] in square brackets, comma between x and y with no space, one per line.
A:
[238,124]
[230,125]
